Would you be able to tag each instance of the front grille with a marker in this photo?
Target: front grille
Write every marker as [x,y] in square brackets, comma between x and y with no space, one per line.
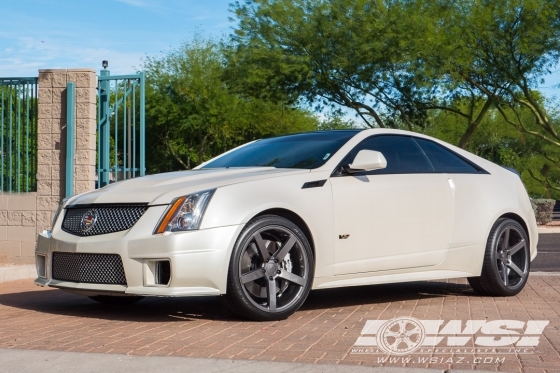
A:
[88,268]
[101,219]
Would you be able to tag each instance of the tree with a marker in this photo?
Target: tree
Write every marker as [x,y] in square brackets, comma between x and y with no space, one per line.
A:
[398,63]
[336,121]
[18,138]
[514,43]
[499,142]
[394,61]
[356,54]
[191,115]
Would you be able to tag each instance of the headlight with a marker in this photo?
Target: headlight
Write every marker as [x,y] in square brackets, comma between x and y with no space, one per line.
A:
[60,207]
[185,213]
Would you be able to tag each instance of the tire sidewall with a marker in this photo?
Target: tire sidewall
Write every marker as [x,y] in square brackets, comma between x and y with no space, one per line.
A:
[497,232]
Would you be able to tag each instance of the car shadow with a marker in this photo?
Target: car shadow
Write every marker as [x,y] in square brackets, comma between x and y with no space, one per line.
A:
[164,309]
[385,293]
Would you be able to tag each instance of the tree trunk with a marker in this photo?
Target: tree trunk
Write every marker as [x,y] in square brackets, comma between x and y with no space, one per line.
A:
[201,150]
[464,142]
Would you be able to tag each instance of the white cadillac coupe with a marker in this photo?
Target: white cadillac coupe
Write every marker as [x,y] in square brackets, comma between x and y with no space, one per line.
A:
[263,224]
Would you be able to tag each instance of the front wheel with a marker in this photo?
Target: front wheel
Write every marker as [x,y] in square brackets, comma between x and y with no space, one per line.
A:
[270,271]
[506,262]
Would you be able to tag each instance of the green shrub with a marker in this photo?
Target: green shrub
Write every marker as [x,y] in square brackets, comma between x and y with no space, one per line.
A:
[543,209]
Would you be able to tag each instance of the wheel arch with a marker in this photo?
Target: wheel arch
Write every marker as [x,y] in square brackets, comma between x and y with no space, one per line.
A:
[294,218]
[490,281]
[519,219]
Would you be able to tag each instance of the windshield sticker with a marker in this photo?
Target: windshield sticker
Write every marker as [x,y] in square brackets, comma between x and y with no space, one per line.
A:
[326,156]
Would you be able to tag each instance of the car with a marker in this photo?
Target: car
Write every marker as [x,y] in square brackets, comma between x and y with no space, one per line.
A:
[265,223]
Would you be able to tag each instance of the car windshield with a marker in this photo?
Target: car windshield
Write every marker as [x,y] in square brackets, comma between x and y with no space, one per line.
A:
[304,150]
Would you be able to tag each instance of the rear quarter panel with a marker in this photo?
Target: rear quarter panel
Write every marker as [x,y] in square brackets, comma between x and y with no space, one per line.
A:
[480,201]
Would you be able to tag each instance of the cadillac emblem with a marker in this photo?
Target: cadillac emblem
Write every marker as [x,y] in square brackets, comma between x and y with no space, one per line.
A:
[88,220]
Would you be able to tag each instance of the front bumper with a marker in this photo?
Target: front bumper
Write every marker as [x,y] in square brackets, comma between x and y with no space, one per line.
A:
[199,259]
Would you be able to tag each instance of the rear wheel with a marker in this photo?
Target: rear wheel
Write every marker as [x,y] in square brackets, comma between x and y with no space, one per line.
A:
[116,300]
[270,271]
[507,261]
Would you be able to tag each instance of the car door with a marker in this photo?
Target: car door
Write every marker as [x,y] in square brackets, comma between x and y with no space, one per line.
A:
[397,217]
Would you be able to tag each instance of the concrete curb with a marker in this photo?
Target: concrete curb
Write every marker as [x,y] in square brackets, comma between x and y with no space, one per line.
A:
[12,273]
[544,274]
[548,230]
[32,361]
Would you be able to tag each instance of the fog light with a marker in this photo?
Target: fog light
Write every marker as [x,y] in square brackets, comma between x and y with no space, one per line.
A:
[157,272]
[41,264]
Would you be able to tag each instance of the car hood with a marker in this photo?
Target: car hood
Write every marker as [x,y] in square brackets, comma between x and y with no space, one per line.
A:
[163,188]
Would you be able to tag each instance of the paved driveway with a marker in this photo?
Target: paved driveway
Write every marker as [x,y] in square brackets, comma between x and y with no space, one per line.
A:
[323,331]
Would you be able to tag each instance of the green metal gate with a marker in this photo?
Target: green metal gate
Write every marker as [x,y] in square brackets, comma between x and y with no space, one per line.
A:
[121,143]
[18,134]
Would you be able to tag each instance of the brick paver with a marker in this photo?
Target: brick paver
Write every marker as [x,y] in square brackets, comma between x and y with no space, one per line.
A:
[323,331]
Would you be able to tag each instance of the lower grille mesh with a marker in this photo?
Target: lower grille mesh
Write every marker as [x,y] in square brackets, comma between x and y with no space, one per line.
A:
[89,268]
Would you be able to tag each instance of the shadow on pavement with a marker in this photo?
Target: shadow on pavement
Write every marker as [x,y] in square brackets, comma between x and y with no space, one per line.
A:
[155,309]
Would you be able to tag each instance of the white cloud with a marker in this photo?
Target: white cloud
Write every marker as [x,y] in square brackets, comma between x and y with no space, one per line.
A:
[137,3]
[27,55]
[151,5]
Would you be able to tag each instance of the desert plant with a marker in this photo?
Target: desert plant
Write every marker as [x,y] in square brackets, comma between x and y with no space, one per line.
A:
[543,209]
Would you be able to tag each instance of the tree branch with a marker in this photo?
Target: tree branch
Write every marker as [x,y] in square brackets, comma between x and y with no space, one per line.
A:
[522,127]
[173,153]
[473,125]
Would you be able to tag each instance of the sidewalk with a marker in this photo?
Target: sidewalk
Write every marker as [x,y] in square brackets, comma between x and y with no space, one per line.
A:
[542,229]
[17,272]
[551,227]
[22,361]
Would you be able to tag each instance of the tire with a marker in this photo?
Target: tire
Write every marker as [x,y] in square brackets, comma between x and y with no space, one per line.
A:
[507,261]
[271,270]
[116,300]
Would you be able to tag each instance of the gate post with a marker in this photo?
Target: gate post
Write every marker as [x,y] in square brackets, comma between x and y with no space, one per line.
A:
[70,137]
[142,124]
[104,127]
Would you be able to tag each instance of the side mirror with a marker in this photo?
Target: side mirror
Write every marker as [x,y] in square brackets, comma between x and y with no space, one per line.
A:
[367,160]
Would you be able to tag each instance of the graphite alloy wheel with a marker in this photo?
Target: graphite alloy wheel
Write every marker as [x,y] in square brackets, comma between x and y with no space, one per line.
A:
[507,261]
[116,300]
[270,271]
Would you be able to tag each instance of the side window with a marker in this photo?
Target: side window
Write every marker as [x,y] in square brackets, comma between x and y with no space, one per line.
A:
[444,160]
[401,152]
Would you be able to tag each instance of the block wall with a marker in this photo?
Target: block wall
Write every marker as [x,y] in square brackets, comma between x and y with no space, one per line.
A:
[23,216]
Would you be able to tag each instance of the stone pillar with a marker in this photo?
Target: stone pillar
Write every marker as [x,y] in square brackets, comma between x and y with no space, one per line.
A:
[86,114]
[50,141]
[51,138]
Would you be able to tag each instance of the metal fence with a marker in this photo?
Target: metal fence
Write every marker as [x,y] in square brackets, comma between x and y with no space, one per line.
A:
[120,127]
[18,134]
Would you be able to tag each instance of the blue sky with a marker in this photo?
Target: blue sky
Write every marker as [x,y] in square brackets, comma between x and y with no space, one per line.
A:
[48,34]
